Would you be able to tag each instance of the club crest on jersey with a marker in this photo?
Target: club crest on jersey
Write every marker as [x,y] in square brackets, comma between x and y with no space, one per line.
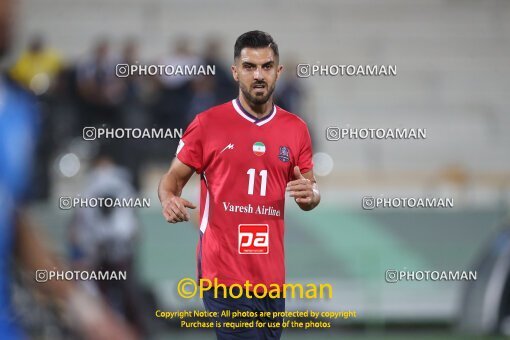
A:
[284,154]
[259,148]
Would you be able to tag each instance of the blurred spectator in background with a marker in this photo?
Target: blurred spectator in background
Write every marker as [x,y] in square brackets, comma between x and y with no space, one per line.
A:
[99,89]
[132,84]
[18,238]
[289,92]
[290,95]
[171,107]
[38,67]
[106,239]
[131,153]
[225,87]
[208,91]
[175,95]
[203,97]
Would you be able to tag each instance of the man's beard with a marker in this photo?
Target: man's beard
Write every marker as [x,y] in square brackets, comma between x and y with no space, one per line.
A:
[257,100]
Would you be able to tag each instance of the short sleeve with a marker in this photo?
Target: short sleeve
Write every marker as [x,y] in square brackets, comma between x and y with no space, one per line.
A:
[190,149]
[305,162]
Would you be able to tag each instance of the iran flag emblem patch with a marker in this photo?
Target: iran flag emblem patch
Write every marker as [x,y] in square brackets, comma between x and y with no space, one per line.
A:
[259,148]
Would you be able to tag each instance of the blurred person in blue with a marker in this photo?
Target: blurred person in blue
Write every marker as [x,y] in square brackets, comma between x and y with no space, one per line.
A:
[18,239]
[105,238]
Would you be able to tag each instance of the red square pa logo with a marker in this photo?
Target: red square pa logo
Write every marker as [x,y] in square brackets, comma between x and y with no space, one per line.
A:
[253,239]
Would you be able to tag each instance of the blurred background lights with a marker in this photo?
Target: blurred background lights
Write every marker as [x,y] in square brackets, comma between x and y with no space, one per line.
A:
[40,83]
[323,164]
[69,165]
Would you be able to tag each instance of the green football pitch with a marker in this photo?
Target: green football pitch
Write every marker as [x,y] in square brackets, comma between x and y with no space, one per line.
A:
[351,249]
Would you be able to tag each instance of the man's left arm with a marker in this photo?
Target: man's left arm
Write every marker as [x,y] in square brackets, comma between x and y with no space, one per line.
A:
[304,189]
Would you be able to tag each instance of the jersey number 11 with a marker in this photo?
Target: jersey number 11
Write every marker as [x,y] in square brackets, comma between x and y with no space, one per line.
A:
[251,181]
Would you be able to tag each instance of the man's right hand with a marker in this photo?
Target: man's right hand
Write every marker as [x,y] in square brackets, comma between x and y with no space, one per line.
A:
[174,209]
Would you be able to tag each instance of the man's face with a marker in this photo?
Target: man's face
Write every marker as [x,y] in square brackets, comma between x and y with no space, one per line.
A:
[6,17]
[256,70]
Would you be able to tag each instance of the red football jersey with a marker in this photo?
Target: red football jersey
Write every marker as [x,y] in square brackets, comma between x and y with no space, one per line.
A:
[245,164]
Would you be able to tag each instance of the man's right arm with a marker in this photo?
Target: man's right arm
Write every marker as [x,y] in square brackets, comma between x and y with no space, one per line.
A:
[170,189]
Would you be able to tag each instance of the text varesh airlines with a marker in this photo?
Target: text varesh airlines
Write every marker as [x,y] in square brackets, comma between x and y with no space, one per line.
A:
[249,209]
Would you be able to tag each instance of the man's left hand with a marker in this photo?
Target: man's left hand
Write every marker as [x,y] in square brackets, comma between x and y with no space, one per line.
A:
[301,188]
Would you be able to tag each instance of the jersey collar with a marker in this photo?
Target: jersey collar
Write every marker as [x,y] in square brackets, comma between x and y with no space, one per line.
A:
[246,115]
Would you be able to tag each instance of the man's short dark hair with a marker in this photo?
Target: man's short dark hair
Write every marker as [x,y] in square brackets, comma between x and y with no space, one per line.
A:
[255,39]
